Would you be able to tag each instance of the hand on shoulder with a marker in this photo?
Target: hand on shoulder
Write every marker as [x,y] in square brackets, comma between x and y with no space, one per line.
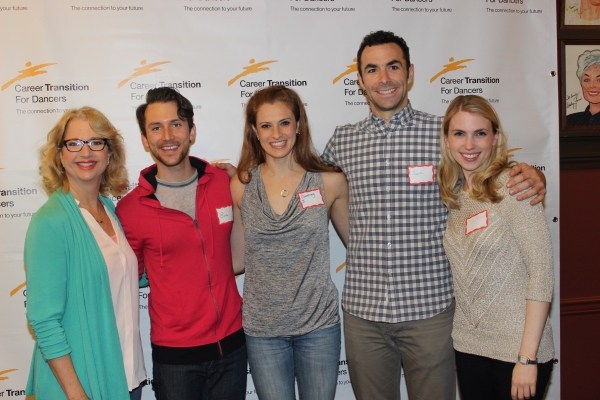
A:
[227,167]
[529,182]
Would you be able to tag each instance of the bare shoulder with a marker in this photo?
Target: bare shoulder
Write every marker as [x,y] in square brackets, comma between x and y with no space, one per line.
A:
[335,184]
[237,189]
[334,178]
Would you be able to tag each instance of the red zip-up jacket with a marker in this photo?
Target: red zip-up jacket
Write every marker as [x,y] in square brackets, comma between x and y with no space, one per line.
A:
[194,301]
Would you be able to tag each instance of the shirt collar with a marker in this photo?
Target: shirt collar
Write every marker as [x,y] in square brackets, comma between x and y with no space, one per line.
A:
[400,119]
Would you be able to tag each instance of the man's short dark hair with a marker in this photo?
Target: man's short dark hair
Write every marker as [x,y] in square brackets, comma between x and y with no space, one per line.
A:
[382,37]
[185,110]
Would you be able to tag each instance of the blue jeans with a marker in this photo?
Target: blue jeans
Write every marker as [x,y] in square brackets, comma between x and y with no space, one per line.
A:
[223,379]
[313,359]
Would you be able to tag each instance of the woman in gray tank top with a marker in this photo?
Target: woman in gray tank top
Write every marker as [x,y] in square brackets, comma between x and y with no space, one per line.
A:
[283,198]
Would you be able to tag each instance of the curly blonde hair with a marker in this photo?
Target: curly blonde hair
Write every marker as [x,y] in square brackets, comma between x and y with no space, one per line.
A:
[483,185]
[114,179]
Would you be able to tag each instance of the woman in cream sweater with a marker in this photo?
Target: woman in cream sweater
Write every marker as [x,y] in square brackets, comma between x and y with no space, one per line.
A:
[500,252]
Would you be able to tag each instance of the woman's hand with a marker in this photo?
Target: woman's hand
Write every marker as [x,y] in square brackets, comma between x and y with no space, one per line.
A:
[227,167]
[524,379]
[65,374]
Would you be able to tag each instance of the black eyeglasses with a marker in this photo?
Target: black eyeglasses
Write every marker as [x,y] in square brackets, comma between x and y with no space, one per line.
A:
[75,145]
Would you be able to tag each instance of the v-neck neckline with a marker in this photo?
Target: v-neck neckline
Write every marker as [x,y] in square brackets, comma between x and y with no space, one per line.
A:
[293,195]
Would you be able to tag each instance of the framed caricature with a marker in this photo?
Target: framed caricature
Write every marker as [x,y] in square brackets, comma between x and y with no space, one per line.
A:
[580,99]
[579,93]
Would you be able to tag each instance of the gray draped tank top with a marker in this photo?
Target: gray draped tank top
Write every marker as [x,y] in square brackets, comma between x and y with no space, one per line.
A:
[288,289]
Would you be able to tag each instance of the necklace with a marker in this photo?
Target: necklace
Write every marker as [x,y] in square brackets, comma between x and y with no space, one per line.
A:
[284,193]
[101,207]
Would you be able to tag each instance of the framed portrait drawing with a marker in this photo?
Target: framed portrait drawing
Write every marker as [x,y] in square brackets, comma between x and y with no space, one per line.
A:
[580,87]
[579,75]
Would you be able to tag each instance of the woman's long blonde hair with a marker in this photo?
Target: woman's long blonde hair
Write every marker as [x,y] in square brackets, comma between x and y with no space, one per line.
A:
[483,185]
[114,178]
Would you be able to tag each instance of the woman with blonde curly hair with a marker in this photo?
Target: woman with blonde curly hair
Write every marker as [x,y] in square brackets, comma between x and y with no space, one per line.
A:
[82,296]
[500,253]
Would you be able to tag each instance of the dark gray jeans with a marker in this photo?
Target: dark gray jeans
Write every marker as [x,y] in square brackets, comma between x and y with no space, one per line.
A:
[377,350]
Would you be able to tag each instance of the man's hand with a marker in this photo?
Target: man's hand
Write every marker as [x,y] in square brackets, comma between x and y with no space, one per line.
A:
[526,177]
[229,168]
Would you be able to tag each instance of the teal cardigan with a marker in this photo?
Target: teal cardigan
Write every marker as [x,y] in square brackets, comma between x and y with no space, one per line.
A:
[69,304]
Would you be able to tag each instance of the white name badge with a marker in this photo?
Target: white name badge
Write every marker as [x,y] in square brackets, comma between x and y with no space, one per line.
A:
[420,174]
[311,198]
[476,222]
[225,214]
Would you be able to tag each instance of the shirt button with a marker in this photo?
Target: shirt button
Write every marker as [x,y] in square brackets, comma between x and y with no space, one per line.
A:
[389,217]
[387,162]
[387,188]
[389,244]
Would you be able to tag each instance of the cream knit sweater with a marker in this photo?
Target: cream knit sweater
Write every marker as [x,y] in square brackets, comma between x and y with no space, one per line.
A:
[495,270]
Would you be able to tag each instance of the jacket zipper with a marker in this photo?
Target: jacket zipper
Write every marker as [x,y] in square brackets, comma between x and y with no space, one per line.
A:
[212,295]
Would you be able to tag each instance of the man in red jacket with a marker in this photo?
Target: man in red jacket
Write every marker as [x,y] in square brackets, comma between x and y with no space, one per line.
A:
[178,221]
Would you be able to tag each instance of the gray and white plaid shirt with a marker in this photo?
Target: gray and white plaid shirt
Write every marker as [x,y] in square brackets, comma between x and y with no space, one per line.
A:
[396,267]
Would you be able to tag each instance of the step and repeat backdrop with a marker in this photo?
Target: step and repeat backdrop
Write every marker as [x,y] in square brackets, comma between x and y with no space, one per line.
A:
[106,54]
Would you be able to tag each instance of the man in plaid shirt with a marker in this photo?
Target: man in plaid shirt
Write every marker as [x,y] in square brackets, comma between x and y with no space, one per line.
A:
[398,298]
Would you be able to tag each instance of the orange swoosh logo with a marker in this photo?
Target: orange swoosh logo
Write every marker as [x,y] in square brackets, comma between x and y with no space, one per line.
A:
[6,371]
[15,290]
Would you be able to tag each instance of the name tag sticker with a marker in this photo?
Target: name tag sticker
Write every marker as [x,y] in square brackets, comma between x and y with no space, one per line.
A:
[476,222]
[420,174]
[311,198]
[225,214]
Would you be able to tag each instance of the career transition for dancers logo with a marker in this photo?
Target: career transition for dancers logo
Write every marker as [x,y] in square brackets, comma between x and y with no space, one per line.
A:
[451,66]
[454,84]
[253,67]
[145,69]
[28,94]
[249,85]
[140,88]
[30,71]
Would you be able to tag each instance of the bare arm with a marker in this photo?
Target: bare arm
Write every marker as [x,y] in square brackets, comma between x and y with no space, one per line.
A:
[65,374]
[527,177]
[336,188]
[237,232]
[524,377]
[530,228]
